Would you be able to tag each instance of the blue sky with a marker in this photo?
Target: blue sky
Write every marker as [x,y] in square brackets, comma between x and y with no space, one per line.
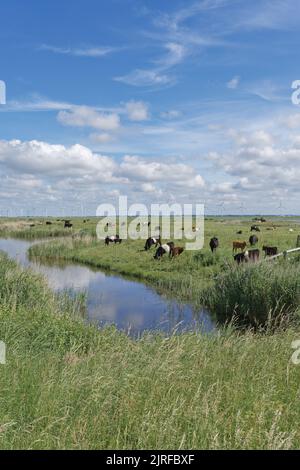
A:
[174,101]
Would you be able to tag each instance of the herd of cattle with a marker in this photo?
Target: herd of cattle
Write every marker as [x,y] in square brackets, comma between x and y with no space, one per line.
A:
[170,249]
[246,255]
[161,249]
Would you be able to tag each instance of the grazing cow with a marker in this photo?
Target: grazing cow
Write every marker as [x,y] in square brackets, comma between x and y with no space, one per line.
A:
[112,239]
[270,250]
[161,250]
[253,255]
[253,240]
[242,257]
[254,228]
[176,251]
[68,224]
[237,245]
[239,232]
[48,223]
[214,243]
[152,241]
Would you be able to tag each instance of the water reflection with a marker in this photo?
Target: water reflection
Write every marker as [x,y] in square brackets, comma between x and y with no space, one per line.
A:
[129,305]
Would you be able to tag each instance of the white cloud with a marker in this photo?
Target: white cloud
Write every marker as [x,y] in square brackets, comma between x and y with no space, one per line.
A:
[102,138]
[145,78]
[48,160]
[233,83]
[148,188]
[157,76]
[260,165]
[176,54]
[137,111]
[46,173]
[136,168]
[94,51]
[83,116]
[36,104]
[293,121]
[258,138]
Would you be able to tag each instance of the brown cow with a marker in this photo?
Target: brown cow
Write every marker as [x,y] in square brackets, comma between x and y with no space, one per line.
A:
[176,251]
[237,245]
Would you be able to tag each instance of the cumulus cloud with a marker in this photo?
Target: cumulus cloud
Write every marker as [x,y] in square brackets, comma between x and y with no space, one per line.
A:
[257,164]
[178,173]
[293,121]
[48,160]
[43,172]
[148,188]
[137,111]
[83,116]
[256,138]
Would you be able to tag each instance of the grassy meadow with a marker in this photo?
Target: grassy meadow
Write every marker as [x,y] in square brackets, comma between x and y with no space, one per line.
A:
[67,385]
[196,276]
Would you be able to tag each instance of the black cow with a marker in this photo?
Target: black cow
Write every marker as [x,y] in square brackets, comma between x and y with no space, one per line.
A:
[254,228]
[242,257]
[68,224]
[253,240]
[152,241]
[112,239]
[239,232]
[163,249]
[214,243]
[48,223]
[270,250]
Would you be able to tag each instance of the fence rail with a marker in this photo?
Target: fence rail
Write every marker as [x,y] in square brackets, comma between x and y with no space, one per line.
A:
[284,253]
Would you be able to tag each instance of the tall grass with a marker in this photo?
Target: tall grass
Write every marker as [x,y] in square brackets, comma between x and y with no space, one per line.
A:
[67,385]
[256,294]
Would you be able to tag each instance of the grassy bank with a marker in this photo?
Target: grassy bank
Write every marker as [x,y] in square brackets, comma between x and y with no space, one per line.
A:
[69,386]
[256,294]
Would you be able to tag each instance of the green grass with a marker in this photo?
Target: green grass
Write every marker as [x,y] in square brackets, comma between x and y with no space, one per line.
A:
[256,294]
[67,385]
[201,277]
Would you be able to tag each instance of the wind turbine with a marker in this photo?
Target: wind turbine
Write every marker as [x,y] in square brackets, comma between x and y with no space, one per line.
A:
[220,207]
[281,207]
[242,208]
